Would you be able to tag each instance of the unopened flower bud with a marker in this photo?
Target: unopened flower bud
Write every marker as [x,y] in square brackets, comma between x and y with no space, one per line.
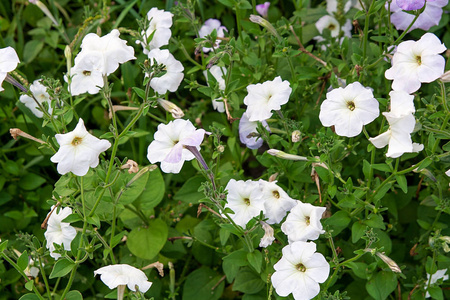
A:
[170,107]
[268,237]
[273,177]
[266,24]
[221,148]
[445,77]
[283,155]
[68,55]
[296,135]
[16,132]
[391,264]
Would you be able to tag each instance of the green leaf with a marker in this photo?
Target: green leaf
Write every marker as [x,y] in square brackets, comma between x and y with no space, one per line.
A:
[229,3]
[358,231]
[62,267]
[202,285]
[153,192]
[133,189]
[139,92]
[401,180]
[255,259]
[244,4]
[436,292]
[147,242]
[189,191]
[375,221]
[338,222]
[29,285]
[381,285]
[22,262]
[248,282]
[3,245]
[366,168]
[29,296]
[382,167]
[74,295]
[430,266]
[31,181]
[31,50]
[232,263]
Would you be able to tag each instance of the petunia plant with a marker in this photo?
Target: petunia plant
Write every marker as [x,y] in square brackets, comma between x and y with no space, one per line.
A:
[228,149]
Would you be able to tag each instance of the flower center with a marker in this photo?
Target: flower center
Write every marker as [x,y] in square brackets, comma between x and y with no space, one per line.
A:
[276,194]
[300,267]
[247,201]
[86,73]
[331,27]
[419,59]
[76,141]
[351,105]
[307,220]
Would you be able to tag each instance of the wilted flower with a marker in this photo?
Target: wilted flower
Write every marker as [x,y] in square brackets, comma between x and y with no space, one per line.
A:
[120,275]
[268,237]
[299,271]
[416,62]
[78,151]
[40,94]
[428,18]
[349,109]
[276,201]
[173,68]
[8,62]
[390,262]
[264,97]
[59,232]
[248,133]
[208,28]
[218,73]
[303,222]
[434,278]
[263,9]
[169,144]
[159,26]
[245,199]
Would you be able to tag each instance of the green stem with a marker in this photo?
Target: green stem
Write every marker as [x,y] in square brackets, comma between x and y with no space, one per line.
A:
[44,277]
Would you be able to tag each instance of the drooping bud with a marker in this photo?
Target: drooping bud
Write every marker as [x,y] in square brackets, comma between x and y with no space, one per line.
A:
[266,24]
[391,264]
[283,155]
[172,108]
[268,237]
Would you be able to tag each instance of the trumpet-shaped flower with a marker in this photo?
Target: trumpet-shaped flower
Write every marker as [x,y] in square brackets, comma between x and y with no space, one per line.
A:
[349,109]
[8,62]
[428,18]
[218,73]
[87,75]
[440,274]
[299,271]
[245,199]
[276,201]
[40,94]
[248,133]
[263,9]
[121,275]
[268,237]
[303,222]
[169,144]
[174,71]
[59,232]
[264,97]
[78,150]
[159,25]
[416,62]
[207,28]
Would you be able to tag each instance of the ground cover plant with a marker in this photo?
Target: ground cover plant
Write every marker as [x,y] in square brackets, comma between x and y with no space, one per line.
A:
[228,149]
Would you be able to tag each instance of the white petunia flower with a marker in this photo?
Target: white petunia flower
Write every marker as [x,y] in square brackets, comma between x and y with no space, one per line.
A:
[447,172]
[299,271]
[428,18]
[40,93]
[8,62]
[402,123]
[159,26]
[330,23]
[218,73]
[174,71]
[349,109]
[78,150]
[245,199]
[113,50]
[208,28]
[248,133]
[416,62]
[268,237]
[303,222]
[276,201]
[120,275]
[332,6]
[264,97]
[87,74]
[169,144]
[434,278]
[59,232]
